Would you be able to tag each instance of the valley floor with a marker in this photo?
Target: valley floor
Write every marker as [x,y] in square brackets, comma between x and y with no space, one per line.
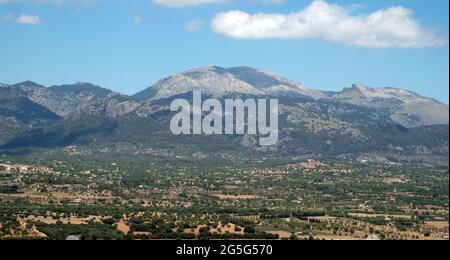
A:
[327,200]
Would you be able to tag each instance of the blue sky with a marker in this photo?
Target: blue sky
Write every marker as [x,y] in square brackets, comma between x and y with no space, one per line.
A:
[128,45]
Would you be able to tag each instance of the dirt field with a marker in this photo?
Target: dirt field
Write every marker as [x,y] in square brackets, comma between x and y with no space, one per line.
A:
[72,220]
[123,227]
[281,234]
[437,224]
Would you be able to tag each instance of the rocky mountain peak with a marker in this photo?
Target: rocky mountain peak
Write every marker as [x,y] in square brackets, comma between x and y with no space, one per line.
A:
[359,87]
[392,93]
[218,81]
[82,87]
[28,85]
[404,107]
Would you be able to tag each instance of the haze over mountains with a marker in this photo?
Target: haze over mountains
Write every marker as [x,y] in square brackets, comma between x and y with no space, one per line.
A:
[358,121]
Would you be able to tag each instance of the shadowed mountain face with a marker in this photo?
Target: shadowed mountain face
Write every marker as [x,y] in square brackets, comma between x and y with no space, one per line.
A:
[19,114]
[355,122]
[62,100]
[25,110]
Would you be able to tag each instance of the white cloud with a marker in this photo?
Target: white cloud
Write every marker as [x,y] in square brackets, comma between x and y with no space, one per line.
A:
[184,3]
[28,19]
[22,19]
[56,2]
[35,20]
[193,25]
[59,2]
[391,27]
[268,2]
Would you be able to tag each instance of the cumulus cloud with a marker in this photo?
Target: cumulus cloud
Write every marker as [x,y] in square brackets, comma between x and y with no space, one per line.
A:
[386,28]
[60,2]
[184,3]
[56,2]
[22,19]
[268,2]
[28,19]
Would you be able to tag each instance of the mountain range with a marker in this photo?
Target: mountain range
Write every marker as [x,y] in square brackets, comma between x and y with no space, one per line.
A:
[358,122]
